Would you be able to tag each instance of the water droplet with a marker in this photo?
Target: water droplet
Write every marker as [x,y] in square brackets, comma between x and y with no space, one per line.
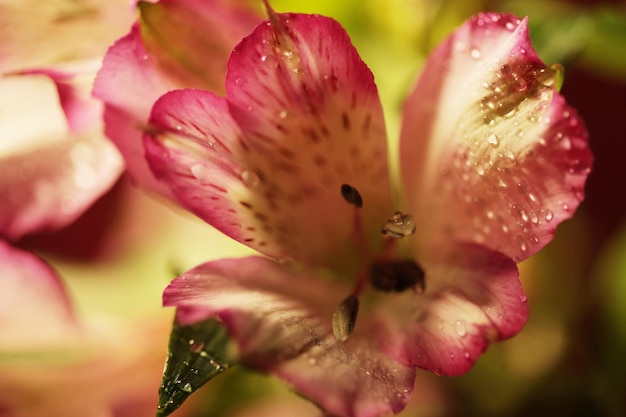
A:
[282,114]
[459,326]
[475,54]
[510,25]
[467,354]
[250,178]
[522,243]
[240,81]
[490,214]
[549,215]
[312,361]
[399,225]
[452,356]
[187,387]
[195,347]
[493,139]
[440,325]
[201,172]
[523,298]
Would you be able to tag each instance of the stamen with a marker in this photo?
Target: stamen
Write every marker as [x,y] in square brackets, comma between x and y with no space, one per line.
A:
[399,225]
[351,195]
[344,318]
[397,276]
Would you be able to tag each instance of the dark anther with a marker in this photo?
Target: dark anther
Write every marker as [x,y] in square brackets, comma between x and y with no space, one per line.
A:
[344,317]
[351,195]
[397,276]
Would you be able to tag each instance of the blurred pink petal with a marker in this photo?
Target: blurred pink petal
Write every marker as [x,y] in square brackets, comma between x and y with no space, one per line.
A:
[50,176]
[34,308]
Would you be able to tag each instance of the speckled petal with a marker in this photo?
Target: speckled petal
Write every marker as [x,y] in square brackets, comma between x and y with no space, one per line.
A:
[281,322]
[473,297]
[491,152]
[308,120]
[34,307]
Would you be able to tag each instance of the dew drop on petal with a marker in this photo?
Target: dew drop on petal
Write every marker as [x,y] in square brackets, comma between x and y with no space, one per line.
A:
[523,298]
[187,387]
[475,53]
[250,178]
[201,172]
[459,326]
[493,140]
[440,325]
[549,215]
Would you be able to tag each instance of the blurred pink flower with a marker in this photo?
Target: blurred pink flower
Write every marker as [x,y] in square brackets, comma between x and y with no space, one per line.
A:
[55,159]
[293,163]
[53,364]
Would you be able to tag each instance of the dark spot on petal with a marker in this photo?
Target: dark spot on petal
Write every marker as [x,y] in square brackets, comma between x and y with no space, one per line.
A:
[260,216]
[319,160]
[345,121]
[246,204]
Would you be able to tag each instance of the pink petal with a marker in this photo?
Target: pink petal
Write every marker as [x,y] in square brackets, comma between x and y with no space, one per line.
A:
[74,82]
[473,297]
[49,177]
[281,322]
[129,83]
[491,153]
[307,119]
[34,307]
[35,35]
[137,71]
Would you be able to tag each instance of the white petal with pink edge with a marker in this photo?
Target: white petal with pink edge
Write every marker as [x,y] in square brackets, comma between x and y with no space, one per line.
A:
[280,320]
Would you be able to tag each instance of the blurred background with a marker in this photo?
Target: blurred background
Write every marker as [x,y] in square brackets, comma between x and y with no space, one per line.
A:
[570,359]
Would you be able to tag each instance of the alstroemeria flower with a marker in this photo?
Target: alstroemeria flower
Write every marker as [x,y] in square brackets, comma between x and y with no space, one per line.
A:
[293,163]
[161,53]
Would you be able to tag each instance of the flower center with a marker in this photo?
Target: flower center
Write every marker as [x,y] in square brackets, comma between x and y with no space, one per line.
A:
[384,274]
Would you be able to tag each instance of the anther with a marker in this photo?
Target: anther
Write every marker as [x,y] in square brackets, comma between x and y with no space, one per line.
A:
[397,276]
[399,225]
[351,195]
[344,317]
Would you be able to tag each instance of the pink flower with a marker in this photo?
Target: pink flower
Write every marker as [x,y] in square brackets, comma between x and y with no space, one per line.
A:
[293,163]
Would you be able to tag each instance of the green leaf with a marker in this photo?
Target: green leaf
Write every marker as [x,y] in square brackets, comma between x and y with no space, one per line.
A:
[196,354]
